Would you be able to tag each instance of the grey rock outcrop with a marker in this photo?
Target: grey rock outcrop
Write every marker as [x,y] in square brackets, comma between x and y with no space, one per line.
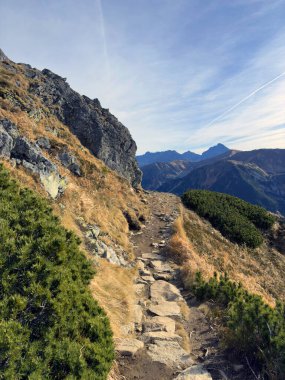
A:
[44,143]
[92,235]
[96,127]
[6,143]
[3,57]
[70,161]
[24,152]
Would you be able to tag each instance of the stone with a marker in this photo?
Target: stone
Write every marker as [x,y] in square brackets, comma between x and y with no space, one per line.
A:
[53,183]
[31,157]
[10,128]
[43,142]
[162,290]
[110,255]
[162,276]
[159,324]
[160,266]
[139,281]
[165,309]
[144,272]
[95,231]
[169,353]
[128,346]
[127,329]
[196,372]
[153,336]
[140,265]
[70,161]
[3,57]
[238,367]
[139,289]
[152,256]
[138,314]
[148,278]
[6,143]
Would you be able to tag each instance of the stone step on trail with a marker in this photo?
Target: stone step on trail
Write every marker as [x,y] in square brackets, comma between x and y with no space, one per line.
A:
[128,346]
[169,353]
[160,266]
[159,324]
[196,372]
[165,309]
[164,291]
[154,336]
[152,256]
[164,276]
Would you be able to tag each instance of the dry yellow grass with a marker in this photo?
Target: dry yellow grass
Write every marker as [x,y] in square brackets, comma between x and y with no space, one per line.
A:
[197,246]
[113,288]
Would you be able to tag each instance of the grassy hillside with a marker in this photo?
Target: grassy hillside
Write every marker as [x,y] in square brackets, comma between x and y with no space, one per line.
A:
[236,219]
[50,327]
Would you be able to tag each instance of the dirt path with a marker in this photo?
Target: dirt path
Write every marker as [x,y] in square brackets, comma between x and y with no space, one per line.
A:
[173,333]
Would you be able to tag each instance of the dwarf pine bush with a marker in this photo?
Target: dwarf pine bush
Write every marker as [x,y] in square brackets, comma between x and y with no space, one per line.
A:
[237,220]
[50,326]
[255,331]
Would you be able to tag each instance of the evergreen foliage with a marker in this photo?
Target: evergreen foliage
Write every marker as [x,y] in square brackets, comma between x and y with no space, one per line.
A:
[255,330]
[236,219]
[50,326]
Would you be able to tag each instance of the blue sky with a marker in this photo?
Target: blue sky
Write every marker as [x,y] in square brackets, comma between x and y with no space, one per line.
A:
[168,69]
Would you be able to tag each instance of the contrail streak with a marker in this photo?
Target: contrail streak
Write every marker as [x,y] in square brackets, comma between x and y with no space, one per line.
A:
[103,35]
[244,99]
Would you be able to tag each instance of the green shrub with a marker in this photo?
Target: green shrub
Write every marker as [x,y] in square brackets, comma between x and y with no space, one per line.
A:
[255,330]
[50,326]
[236,219]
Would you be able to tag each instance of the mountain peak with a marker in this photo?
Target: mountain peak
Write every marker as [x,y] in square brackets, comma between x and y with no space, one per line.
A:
[215,150]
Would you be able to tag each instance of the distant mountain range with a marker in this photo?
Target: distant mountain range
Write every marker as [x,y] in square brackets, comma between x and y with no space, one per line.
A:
[172,155]
[256,176]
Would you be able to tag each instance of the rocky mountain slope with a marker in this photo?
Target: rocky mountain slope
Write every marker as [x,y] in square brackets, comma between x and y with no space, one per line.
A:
[171,155]
[256,176]
[96,128]
[42,144]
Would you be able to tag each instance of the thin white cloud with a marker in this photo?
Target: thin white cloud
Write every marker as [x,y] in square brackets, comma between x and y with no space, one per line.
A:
[165,69]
